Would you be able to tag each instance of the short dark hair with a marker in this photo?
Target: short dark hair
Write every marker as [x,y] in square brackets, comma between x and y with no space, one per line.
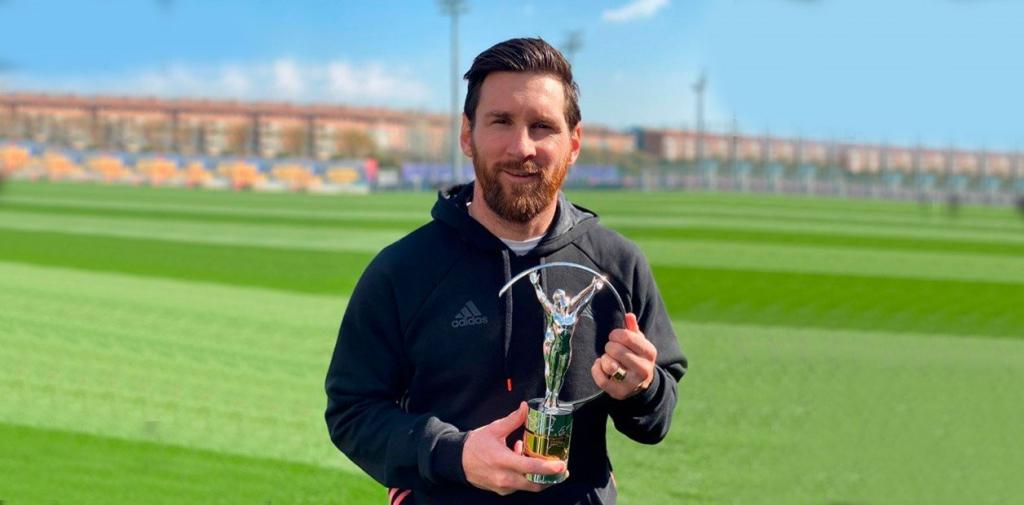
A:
[523,55]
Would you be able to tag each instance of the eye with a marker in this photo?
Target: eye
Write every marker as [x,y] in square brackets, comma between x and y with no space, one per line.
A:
[544,126]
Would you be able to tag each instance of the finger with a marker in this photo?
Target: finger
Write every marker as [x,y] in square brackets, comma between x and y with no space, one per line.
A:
[609,365]
[518,482]
[615,389]
[518,447]
[618,351]
[631,323]
[511,422]
[600,378]
[627,356]
[635,341]
[525,464]
[637,367]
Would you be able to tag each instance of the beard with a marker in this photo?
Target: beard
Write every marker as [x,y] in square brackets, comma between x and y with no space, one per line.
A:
[519,202]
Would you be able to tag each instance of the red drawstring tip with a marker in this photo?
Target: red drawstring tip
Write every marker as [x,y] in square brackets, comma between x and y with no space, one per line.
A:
[508,383]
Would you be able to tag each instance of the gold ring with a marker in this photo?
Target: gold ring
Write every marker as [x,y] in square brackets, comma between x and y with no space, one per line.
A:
[619,375]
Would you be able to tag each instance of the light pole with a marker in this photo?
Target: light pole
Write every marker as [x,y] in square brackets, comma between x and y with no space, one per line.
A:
[1018,172]
[698,88]
[453,8]
[573,44]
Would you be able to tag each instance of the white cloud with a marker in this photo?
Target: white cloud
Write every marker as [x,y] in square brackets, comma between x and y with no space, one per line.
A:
[637,9]
[282,79]
[288,78]
[234,81]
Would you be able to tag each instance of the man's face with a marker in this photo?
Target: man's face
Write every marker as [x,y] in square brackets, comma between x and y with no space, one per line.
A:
[520,143]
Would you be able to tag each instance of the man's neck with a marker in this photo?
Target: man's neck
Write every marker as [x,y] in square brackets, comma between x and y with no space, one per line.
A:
[506,229]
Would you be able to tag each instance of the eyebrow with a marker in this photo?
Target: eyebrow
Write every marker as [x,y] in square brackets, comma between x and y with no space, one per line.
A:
[508,115]
[498,115]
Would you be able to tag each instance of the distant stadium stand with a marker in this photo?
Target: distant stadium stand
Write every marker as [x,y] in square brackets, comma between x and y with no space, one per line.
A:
[27,160]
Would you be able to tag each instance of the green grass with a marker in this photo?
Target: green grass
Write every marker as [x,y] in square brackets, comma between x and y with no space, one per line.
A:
[161,345]
[288,269]
[698,294]
[796,415]
[46,467]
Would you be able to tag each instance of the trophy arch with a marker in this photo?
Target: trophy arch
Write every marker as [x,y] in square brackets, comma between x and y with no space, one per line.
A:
[574,404]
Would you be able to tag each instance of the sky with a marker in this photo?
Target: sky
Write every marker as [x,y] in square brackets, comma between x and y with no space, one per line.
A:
[931,72]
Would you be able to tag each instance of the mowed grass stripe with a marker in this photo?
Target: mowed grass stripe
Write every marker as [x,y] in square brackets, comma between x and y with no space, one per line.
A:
[1003,245]
[1009,242]
[240,199]
[692,293]
[637,224]
[320,272]
[843,301]
[769,257]
[55,466]
[797,204]
[352,215]
[629,204]
[221,212]
[624,202]
[406,211]
[1006,245]
[924,217]
[672,252]
[366,239]
[851,231]
[183,363]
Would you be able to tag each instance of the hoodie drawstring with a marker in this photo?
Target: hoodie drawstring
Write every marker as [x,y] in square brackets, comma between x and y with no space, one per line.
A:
[507,271]
[508,319]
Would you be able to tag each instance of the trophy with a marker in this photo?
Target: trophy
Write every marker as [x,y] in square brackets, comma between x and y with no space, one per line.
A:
[549,420]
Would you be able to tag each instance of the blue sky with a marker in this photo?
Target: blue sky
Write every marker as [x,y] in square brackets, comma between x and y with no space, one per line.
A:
[898,71]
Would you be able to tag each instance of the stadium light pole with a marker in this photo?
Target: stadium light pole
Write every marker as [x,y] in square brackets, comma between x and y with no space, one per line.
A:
[453,8]
[1018,172]
[698,88]
[573,44]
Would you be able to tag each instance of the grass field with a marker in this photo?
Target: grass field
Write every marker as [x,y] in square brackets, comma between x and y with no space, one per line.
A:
[169,346]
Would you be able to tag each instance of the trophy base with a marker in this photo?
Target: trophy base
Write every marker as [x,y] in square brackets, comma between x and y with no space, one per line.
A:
[547,436]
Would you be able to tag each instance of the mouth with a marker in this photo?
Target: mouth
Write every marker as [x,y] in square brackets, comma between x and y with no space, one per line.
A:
[516,175]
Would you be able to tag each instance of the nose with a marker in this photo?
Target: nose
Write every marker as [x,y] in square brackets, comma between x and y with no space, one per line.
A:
[521,146]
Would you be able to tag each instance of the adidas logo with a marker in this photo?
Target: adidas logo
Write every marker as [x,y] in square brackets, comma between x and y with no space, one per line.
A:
[469,316]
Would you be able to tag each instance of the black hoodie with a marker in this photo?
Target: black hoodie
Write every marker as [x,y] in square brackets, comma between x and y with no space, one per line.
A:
[427,351]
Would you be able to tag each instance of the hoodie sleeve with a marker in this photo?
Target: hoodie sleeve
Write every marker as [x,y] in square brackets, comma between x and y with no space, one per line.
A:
[647,416]
[366,380]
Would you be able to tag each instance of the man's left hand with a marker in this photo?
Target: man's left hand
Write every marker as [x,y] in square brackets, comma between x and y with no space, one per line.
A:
[627,365]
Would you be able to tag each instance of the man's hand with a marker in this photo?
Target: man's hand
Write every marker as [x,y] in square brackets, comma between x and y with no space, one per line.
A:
[489,464]
[627,365]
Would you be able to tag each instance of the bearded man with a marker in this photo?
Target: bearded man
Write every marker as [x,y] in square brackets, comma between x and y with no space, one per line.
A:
[429,362]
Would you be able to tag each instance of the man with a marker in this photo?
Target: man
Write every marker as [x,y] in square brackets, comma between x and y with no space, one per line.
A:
[429,361]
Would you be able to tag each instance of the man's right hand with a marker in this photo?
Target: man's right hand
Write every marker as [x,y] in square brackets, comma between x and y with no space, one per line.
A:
[489,464]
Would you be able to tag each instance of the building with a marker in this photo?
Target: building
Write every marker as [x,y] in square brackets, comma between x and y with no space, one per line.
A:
[210,127]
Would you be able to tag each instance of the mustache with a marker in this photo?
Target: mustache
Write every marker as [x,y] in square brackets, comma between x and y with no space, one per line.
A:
[521,167]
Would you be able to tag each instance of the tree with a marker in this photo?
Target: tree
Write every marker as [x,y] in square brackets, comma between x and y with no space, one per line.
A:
[353,143]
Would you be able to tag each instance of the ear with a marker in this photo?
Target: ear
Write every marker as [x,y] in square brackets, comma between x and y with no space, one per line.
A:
[466,137]
[576,141]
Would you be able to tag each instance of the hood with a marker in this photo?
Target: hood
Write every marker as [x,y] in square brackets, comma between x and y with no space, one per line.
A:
[570,221]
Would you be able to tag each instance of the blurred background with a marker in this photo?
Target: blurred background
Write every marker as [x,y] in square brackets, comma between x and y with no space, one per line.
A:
[831,195]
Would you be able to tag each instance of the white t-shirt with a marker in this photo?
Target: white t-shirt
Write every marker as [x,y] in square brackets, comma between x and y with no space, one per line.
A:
[521,247]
